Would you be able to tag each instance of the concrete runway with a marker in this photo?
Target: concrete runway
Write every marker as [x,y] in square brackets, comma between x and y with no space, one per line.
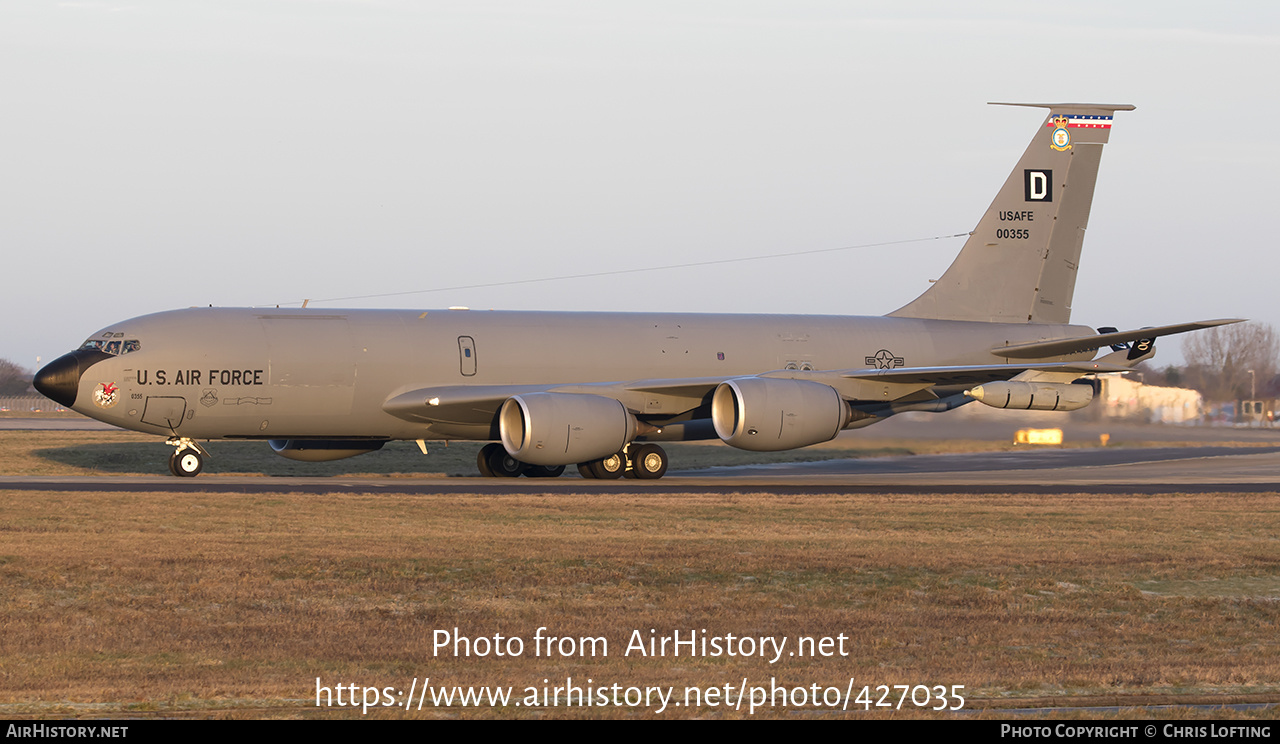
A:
[1151,470]
[1176,468]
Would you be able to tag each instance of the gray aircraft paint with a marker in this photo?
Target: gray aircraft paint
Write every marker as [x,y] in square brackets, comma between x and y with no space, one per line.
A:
[1000,276]
[215,373]
[329,387]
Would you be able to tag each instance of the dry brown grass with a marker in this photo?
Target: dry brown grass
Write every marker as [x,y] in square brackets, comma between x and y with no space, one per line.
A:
[217,602]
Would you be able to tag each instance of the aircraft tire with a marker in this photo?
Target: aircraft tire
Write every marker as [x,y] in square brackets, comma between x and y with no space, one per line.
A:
[650,462]
[586,470]
[610,468]
[186,463]
[482,459]
[504,465]
[544,471]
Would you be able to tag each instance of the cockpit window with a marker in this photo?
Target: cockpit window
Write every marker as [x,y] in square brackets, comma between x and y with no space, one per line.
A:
[115,348]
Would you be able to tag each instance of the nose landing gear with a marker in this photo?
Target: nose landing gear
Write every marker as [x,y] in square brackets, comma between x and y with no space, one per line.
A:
[188,456]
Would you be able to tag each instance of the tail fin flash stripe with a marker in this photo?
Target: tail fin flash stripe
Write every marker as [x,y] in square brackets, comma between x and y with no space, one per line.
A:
[1083,122]
[1019,264]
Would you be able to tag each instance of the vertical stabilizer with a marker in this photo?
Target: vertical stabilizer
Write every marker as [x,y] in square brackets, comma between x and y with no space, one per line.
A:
[1019,264]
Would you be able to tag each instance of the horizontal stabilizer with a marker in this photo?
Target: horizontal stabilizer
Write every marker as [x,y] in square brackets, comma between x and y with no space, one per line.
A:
[1059,347]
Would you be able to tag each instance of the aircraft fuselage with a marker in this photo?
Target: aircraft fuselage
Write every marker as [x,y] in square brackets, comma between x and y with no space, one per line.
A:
[214,373]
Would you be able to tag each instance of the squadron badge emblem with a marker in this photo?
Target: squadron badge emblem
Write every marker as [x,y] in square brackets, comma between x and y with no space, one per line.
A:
[1060,139]
[106,394]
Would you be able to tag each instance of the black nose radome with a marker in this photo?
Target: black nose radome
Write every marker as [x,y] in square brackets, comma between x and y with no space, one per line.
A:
[60,379]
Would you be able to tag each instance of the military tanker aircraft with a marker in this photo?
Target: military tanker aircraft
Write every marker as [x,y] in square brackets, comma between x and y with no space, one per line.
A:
[600,390]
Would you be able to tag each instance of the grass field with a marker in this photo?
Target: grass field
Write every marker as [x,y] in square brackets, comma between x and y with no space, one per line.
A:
[219,604]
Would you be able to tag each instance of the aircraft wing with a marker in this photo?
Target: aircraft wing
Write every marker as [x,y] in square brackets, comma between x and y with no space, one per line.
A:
[973,374]
[473,405]
[1057,347]
[478,404]
[455,404]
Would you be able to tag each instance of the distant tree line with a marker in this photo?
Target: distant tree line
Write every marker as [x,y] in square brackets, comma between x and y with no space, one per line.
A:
[14,380]
[1225,363]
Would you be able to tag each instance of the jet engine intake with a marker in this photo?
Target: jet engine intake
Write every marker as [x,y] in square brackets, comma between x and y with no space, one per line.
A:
[764,414]
[1033,396]
[323,450]
[564,428]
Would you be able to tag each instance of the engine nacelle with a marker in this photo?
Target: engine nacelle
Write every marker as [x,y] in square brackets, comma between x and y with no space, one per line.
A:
[764,414]
[323,450]
[1033,396]
[564,428]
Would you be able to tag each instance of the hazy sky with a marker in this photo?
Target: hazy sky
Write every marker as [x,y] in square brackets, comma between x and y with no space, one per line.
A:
[166,154]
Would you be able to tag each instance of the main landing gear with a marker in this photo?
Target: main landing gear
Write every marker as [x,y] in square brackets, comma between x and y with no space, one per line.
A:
[188,456]
[645,461]
[493,462]
[648,461]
